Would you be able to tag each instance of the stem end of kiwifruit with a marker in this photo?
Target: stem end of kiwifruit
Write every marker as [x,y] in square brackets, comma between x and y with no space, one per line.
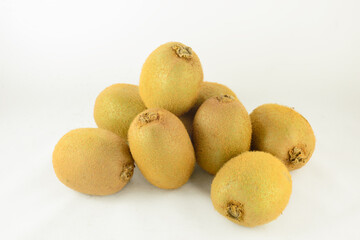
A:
[225,98]
[183,51]
[148,117]
[297,155]
[127,172]
[235,210]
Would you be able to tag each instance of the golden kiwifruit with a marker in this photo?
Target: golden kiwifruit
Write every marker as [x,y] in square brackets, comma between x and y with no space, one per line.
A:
[221,131]
[161,148]
[116,107]
[208,90]
[170,78]
[251,189]
[93,161]
[284,133]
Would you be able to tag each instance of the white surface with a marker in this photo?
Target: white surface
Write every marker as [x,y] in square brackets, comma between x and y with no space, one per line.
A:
[56,56]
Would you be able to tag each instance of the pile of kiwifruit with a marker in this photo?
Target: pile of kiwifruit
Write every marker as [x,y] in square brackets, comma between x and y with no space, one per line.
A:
[174,119]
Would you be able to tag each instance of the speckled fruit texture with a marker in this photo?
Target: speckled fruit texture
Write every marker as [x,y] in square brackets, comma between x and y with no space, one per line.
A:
[116,107]
[93,161]
[251,189]
[221,131]
[170,78]
[284,133]
[161,148]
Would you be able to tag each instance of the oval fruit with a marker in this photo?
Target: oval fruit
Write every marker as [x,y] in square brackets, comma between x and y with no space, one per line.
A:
[170,78]
[284,133]
[251,189]
[221,131]
[116,107]
[161,148]
[93,161]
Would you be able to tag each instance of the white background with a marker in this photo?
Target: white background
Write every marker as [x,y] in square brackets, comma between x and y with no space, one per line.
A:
[56,56]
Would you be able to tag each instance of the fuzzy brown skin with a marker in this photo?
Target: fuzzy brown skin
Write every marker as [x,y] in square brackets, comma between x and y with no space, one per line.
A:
[221,131]
[170,78]
[161,148]
[116,107]
[251,189]
[208,90]
[284,133]
[93,161]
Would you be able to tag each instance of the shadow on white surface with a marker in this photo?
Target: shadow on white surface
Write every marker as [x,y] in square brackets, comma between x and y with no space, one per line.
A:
[201,180]
[138,185]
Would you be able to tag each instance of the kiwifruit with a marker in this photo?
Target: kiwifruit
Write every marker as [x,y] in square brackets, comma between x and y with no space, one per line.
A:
[284,133]
[208,90]
[170,78]
[93,161]
[161,148]
[221,131]
[251,189]
[116,107]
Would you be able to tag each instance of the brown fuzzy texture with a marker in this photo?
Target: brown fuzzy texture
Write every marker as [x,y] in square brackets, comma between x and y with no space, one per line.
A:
[116,107]
[93,161]
[221,131]
[284,133]
[170,78]
[161,148]
[251,189]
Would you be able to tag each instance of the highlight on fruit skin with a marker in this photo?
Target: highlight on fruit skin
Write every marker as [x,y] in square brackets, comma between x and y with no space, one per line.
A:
[284,133]
[161,148]
[221,131]
[170,78]
[116,107]
[251,189]
[93,161]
